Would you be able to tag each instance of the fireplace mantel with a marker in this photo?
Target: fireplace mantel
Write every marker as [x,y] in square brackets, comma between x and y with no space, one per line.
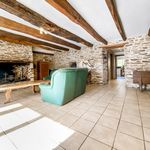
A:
[15,61]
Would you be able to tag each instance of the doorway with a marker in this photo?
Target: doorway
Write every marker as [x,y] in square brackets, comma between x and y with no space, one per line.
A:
[116,60]
[120,67]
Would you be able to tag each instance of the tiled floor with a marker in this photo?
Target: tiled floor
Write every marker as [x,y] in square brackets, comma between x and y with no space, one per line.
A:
[110,117]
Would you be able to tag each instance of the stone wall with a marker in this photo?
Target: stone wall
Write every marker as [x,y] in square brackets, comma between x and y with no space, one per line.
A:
[15,52]
[10,52]
[41,57]
[96,57]
[137,57]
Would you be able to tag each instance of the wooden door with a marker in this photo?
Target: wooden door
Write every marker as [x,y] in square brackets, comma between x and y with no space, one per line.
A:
[43,70]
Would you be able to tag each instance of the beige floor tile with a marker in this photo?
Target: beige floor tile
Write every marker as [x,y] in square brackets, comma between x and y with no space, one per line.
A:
[144,100]
[125,142]
[145,114]
[73,103]
[131,101]
[77,112]
[131,105]
[103,134]
[131,129]
[130,111]
[41,111]
[118,98]
[101,104]
[114,107]
[73,142]
[83,126]
[44,109]
[83,106]
[91,144]
[147,134]
[131,118]
[146,122]
[112,113]
[55,115]
[143,96]
[66,108]
[144,108]
[144,104]
[89,101]
[50,106]
[97,109]
[109,122]
[68,119]
[131,97]
[91,116]
[147,145]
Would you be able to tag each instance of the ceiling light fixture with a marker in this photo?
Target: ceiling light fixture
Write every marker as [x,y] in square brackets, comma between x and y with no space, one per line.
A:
[42,31]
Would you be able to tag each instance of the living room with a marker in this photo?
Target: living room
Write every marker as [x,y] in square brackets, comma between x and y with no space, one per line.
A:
[74,75]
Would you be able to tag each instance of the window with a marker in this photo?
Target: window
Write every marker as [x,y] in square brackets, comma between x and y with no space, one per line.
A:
[120,61]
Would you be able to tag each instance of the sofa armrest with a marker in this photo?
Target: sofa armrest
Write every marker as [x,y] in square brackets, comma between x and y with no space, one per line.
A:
[45,86]
[47,78]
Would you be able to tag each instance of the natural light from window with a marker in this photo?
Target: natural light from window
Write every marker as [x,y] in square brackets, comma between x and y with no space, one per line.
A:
[7,108]
[26,129]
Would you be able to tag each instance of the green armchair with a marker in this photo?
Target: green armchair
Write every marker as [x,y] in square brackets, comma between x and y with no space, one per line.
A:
[66,84]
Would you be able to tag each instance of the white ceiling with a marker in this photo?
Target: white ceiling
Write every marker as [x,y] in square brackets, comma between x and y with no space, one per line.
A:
[135,16]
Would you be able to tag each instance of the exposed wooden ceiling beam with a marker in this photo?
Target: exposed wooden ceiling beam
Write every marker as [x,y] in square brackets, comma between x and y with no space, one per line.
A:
[47,48]
[19,39]
[14,7]
[57,47]
[10,25]
[6,23]
[115,45]
[45,53]
[149,32]
[113,10]
[64,7]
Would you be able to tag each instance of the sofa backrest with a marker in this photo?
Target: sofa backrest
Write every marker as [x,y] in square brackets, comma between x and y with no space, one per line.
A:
[69,83]
[81,81]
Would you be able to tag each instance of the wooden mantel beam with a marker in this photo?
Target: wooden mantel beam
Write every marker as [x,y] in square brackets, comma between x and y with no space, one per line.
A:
[115,45]
[113,10]
[9,24]
[16,8]
[64,7]
[19,39]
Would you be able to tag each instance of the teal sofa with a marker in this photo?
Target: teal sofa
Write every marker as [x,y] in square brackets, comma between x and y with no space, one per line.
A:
[50,74]
[66,84]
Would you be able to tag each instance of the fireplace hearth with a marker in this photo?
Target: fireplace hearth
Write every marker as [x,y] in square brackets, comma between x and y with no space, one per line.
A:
[13,72]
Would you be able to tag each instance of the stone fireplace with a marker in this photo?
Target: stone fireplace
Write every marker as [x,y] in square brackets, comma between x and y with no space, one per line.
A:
[16,62]
[14,72]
